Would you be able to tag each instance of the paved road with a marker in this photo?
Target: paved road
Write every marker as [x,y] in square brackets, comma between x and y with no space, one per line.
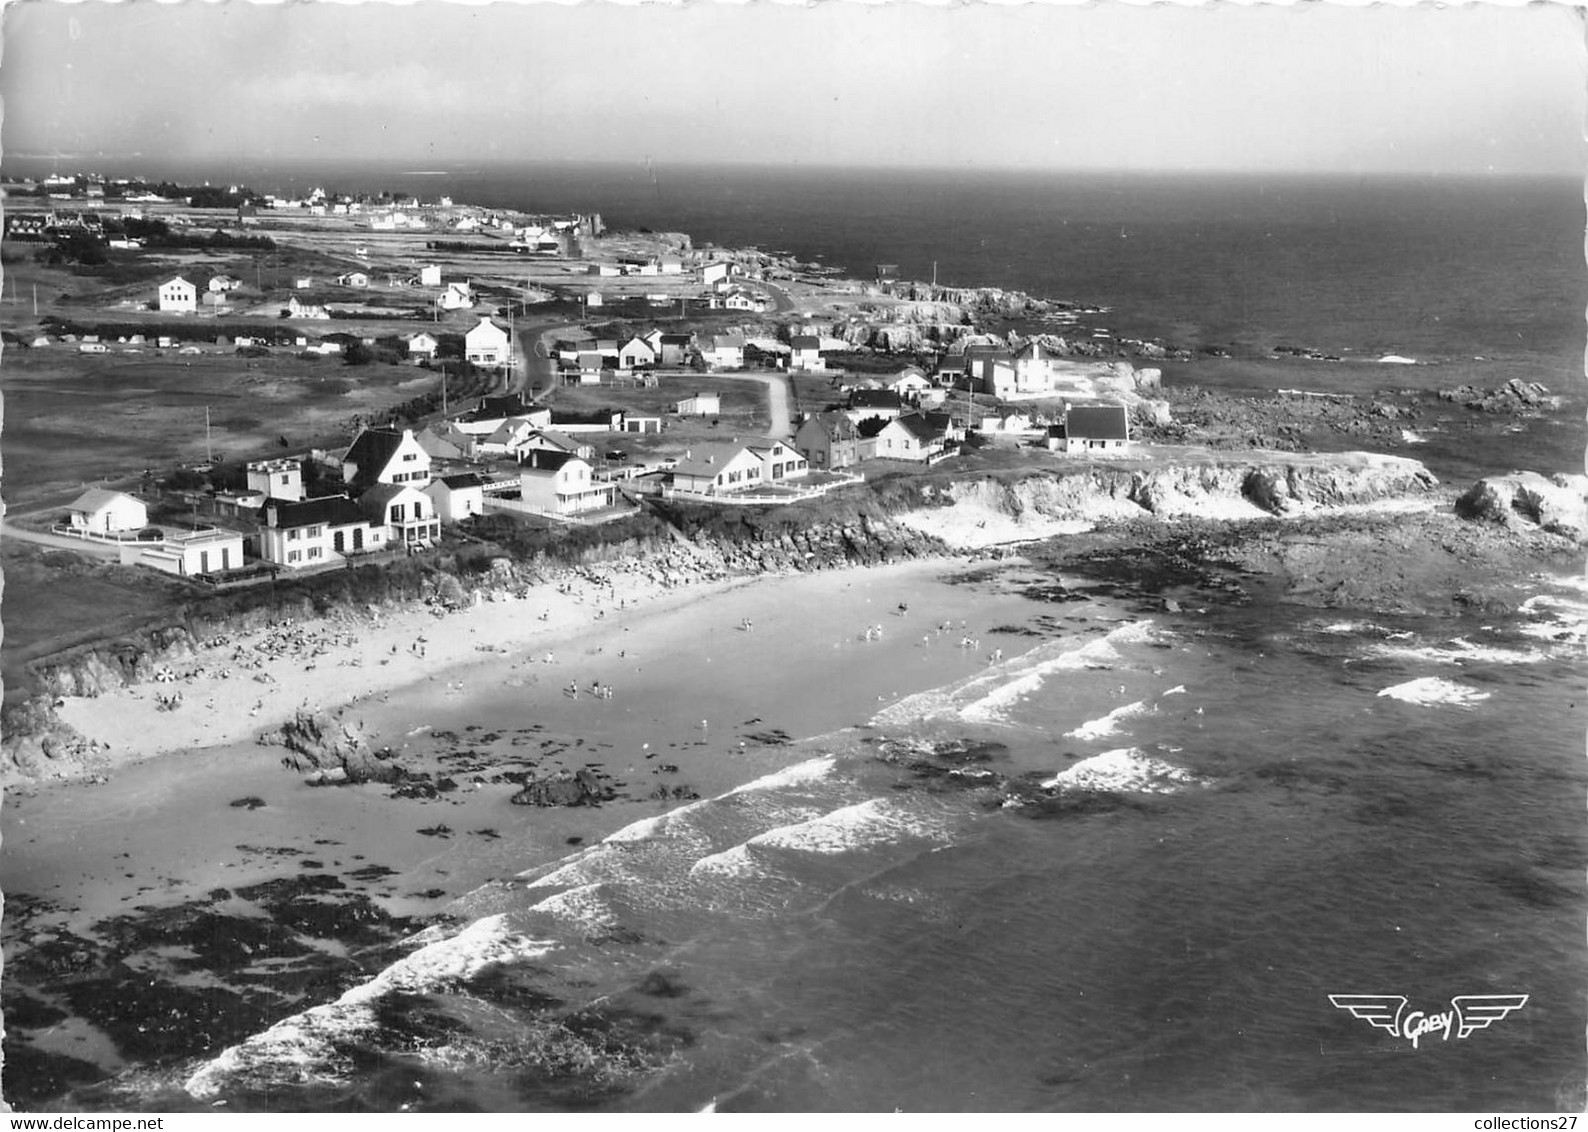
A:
[110,551]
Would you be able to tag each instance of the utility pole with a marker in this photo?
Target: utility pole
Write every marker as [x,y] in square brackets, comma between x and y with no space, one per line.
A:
[209,453]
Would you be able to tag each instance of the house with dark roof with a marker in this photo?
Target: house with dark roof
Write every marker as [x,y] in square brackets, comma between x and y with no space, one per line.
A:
[864,403]
[828,440]
[560,483]
[907,437]
[807,353]
[316,532]
[385,456]
[457,497]
[1091,428]
[408,514]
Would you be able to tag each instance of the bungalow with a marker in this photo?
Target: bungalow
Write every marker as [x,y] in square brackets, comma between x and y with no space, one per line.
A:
[492,410]
[714,469]
[385,456]
[828,440]
[220,284]
[910,437]
[277,479]
[108,512]
[911,381]
[560,483]
[951,369]
[296,309]
[407,513]
[865,403]
[486,344]
[445,440]
[313,532]
[188,553]
[422,345]
[1091,428]
[779,461]
[353,279]
[727,352]
[456,296]
[430,275]
[807,353]
[596,420]
[593,299]
[177,294]
[457,497]
[742,300]
[302,283]
[550,440]
[590,366]
[603,269]
[701,405]
[636,352]
[507,438]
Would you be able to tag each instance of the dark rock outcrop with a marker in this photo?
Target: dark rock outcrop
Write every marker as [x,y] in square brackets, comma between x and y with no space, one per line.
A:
[334,752]
[582,787]
[1557,504]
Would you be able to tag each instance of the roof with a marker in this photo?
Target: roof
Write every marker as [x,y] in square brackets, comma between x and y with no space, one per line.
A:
[332,510]
[871,426]
[589,359]
[383,493]
[556,439]
[594,416]
[372,451]
[837,426]
[96,497]
[918,427]
[176,279]
[874,399]
[728,342]
[805,342]
[1098,422]
[709,459]
[465,480]
[546,459]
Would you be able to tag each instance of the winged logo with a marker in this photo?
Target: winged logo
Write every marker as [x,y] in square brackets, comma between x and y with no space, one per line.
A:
[1471,1012]
[1381,1010]
[1480,1011]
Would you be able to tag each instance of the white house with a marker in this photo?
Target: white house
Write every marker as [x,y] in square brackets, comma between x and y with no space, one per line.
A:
[560,483]
[903,438]
[108,512]
[701,405]
[1091,428]
[177,294]
[302,283]
[807,353]
[457,497]
[422,345]
[296,309]
[277,479]
[486,344]
[727,352]
[187,554]
[456,296]
[713,273]
[385,456]
[671,264]
[430,275]
[353,279]
[636,352]
[717,468]
[314,532]
[220,284]
[408,514]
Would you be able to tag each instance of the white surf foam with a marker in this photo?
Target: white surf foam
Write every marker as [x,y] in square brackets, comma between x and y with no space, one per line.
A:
[876,821]
[1127,770]
[1410,437]
[1431,690]
[1110,724]
[1459,651]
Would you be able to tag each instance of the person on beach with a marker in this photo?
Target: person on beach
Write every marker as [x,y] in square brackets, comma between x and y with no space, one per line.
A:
[903,609]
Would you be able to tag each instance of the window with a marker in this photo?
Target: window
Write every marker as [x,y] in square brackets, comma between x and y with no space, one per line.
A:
[294,535]
[397,512]
[316,532]
[294,556]
[409,456]
[314,552]
[284,478]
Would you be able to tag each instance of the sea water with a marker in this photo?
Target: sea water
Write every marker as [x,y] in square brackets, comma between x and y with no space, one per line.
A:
[1240,823]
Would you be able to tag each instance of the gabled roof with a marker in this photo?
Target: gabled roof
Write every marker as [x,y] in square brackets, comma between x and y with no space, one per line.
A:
[558,440]
[371,452]
[1098,422]
[874,399]
[709,459]
[331,510]
[728,342]
[837,426]
[460,482]
[176,279]
[96,497]
[918,427]
[546,459]
[383,493]
[871,426]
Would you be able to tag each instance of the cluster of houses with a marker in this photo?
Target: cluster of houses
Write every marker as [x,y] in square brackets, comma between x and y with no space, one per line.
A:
[178,295]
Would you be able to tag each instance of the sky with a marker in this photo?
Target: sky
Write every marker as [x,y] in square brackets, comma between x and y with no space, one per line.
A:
[1457,90]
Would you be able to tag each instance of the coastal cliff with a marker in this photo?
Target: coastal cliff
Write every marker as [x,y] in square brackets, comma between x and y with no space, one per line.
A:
[676,544]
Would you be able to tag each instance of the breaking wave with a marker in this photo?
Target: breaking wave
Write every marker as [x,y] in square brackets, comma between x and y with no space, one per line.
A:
[1430,690]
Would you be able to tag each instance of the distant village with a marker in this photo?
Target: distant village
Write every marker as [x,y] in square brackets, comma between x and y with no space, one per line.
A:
[520,451]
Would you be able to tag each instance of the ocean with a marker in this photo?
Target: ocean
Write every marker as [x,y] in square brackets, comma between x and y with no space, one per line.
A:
[1232,812]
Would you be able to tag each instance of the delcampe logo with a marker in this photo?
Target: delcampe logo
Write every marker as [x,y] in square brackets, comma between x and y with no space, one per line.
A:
[1471,1012]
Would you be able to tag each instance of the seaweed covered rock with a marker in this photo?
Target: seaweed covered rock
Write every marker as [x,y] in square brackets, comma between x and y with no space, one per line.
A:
[576,788]
[336,752]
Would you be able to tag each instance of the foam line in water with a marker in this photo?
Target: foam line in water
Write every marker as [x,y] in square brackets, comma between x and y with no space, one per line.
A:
[1431,690]
[873,822]
[1110,724]
[1459,651]
[1125,770]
